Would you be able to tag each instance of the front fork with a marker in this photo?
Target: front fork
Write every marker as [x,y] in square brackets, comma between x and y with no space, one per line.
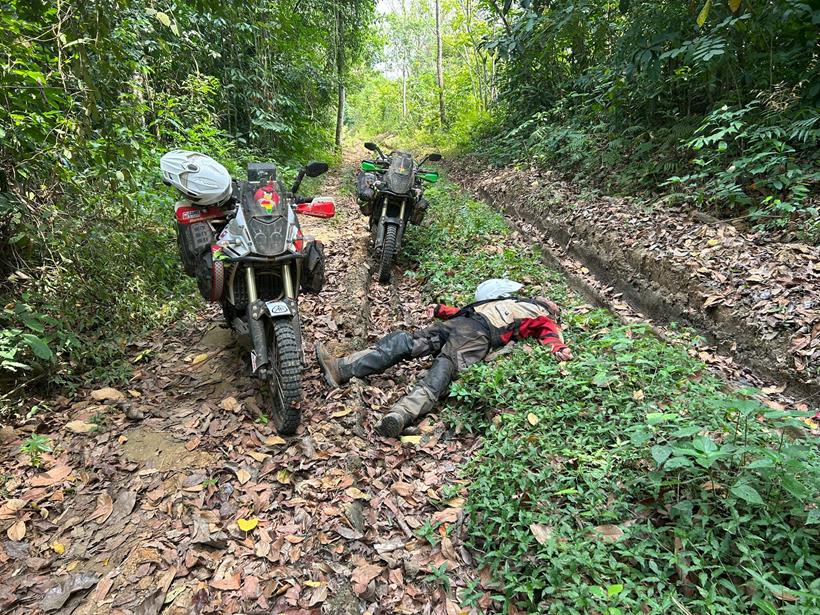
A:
[383,224]
[256,317]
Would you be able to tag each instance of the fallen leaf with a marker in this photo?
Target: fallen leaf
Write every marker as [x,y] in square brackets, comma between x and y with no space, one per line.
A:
[411,439]
[314,583]
[274,440]
[448,515]
[541,532]
[710,301]
[448,551]
[356,494]
[107,394]
[608,533]
[362,575]
[57,596]
[403,489]
[246,525]
[250,588]
[10,507]
[17,531]
[199,358]
[230,404]
[283,477]
[226,584]
[80,426]
[58,548]
[258,456]
[54,475]
[638,395]
[105,506]
[532,419]
[243,476]
[341,413]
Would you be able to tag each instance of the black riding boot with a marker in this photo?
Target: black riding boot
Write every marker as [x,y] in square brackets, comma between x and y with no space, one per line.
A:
[388,351]
[420,400]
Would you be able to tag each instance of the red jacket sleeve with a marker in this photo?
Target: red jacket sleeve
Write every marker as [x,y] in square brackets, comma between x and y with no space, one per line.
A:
[545,330]
[445,311]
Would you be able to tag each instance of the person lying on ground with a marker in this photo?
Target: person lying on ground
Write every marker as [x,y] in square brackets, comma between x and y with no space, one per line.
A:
[465,337]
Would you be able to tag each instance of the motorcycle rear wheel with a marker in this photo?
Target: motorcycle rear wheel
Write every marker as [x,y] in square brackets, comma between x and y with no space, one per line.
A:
[389,249]
[285,379]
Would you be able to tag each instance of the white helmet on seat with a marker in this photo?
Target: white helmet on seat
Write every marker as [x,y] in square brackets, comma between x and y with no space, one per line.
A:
[200,178]
[496,288]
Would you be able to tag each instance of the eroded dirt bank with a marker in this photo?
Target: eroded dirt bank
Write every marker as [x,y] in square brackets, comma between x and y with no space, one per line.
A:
[757,302]
[137,507]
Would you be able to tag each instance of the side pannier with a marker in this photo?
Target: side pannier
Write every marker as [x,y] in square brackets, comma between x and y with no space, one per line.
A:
[313,268]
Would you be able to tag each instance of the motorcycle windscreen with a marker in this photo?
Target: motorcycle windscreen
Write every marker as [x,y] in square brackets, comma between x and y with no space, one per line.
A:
[399,176]
[267,225]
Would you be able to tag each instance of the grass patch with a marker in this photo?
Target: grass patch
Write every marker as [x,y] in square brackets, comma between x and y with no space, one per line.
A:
[628,480]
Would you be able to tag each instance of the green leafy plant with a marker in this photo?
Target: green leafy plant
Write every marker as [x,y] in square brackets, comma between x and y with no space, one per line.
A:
[438,575]
[34,446]
[429,532]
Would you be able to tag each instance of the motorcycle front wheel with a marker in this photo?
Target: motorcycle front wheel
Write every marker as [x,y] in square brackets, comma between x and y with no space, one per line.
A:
[284,381]
[389,249]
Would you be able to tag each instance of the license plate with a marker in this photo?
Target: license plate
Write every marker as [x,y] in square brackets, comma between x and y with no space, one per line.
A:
[278,308]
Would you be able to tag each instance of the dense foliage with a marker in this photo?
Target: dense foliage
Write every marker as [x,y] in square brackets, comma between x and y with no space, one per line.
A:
[627,480]
[713,101]
[399,95]
[93,92]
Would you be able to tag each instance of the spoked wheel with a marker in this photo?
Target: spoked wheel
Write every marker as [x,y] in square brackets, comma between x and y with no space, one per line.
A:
[284,381]
[388,253]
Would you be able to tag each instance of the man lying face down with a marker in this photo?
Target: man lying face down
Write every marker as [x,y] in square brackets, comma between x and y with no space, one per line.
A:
[465,337]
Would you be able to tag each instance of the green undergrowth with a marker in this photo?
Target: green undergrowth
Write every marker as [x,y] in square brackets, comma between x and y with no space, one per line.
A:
[630,479]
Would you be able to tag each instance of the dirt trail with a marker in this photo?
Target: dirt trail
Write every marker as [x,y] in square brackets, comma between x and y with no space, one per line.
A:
[136,509]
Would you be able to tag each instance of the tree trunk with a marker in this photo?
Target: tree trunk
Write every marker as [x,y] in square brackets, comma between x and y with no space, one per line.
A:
[439,66]
[340,114]
[340,67]
[403,91]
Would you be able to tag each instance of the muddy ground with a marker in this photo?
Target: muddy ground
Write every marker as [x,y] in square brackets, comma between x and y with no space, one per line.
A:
[172,495]
[757,302]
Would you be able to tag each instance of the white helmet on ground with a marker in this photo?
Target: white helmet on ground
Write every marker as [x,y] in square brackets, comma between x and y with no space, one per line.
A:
[200,178]
[496,288]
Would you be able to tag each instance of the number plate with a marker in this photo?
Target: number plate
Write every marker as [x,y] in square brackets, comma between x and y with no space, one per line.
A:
[278,308]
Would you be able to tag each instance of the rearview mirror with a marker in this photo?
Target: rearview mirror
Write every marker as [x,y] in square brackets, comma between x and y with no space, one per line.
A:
[435,157]
[369,145]
[315,168]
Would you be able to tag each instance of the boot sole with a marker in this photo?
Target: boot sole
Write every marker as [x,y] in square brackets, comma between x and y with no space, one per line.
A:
[328,378]
[389,427]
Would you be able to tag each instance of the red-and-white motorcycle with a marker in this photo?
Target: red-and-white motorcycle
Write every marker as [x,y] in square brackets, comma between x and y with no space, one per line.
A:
[249,254]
